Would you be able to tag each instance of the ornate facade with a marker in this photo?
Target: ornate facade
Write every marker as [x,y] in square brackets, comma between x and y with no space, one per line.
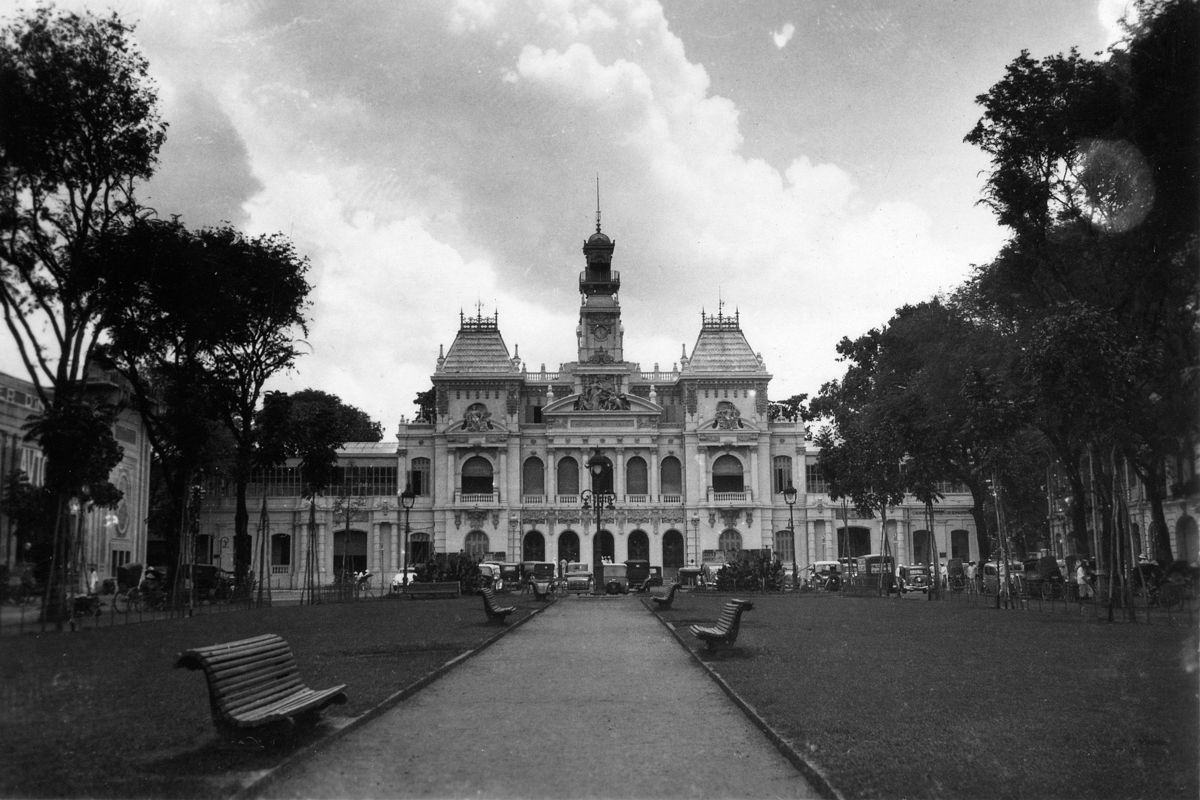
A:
[697,468]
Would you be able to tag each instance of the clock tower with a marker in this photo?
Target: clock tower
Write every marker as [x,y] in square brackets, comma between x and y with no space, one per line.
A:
[599,333]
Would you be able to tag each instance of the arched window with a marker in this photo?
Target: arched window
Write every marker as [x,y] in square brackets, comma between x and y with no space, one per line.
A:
[568,476]
[349,552]
[672,547]
[781,477]
[730,541]
[420,548]
[419,478]
[670,479]
[960,545]
[639,546]
[727,475]
[535,547]
[475,545]
[568,546]
[477,476]
[922,547]
[602,546]
[533,477]
[636,481]
[783,546]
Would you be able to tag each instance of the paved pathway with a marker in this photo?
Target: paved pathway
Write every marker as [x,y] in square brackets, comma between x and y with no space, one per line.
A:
[593,699]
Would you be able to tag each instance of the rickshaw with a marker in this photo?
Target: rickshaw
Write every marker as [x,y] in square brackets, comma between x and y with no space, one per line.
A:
[956,575]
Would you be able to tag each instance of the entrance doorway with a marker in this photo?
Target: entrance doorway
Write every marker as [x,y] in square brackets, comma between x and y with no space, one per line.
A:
[535,547]
[568,546]
[602,547]
[349,553]
[672,554]
[639,546]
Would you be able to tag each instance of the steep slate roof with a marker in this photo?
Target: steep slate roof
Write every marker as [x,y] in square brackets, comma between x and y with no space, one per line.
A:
[722,347]
[477,349]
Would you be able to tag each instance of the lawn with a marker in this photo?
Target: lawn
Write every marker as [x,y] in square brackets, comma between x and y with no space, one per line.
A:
[889,698]
[102,713]
[905,698]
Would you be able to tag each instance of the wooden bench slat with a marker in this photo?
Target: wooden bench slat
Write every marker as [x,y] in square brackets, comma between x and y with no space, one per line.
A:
[256,681]
[264,688]
[495,612]
[725,631]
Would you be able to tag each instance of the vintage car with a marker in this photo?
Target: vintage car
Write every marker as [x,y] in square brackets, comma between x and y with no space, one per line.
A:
[490,576]
[579,577]
[540,576]
[642,576]
[616,578]
[818,575]
[913,578]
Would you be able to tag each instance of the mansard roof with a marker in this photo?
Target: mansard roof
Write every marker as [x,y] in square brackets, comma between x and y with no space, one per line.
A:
[478,349]
[722,347]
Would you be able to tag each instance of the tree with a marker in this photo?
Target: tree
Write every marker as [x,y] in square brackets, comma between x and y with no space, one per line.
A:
[267,274]
[426,403]
[1094,168]
[792,409]
[80,130]
[310,426]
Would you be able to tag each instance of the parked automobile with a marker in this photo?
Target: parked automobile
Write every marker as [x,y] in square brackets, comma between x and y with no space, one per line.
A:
[490,576]
[398,581]
[616,579]
[641,575]
[913,578]
[540,575]
[991,578]
[579,577]
[818,572]
[1044,576]
[689,577]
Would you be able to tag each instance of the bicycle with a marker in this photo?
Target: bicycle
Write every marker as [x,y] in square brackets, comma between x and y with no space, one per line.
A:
[363,586]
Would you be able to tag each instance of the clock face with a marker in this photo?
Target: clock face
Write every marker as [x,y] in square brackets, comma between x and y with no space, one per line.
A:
[600,331]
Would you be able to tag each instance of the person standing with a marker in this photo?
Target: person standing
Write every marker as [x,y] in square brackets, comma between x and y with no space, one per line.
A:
[1081,580]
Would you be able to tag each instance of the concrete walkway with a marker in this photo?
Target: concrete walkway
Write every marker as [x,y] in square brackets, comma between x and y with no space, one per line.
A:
[592,699]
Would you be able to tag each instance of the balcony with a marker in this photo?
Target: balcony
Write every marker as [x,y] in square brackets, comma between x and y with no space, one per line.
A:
[729,497]
[477,498]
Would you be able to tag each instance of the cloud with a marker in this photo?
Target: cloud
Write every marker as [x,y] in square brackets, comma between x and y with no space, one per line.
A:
[784,35]
[427,156]
[1111,13]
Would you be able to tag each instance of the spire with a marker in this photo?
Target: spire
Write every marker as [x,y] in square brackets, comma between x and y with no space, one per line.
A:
[597,202]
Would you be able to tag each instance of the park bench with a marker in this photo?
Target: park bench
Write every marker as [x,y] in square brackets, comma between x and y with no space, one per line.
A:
[664,603]
[254,682]
[725,631]
[434,589]
[495,611]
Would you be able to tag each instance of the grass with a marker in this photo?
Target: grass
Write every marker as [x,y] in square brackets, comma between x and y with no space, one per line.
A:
[899,699]
[888,698]
[101,713]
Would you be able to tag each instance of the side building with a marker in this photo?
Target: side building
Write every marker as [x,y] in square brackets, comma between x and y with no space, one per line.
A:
[696,468]
[111,537]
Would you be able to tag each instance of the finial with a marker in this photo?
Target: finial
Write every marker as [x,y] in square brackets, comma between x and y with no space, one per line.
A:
[597,202]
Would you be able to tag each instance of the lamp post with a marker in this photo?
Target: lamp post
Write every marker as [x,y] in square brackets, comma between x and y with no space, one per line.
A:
[407,498]
[599,497]
[789,497]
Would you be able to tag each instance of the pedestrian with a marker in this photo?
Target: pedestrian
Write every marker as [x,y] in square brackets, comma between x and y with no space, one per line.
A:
[1081,579]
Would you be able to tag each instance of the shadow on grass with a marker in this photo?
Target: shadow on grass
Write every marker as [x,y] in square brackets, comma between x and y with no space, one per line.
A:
[102,713]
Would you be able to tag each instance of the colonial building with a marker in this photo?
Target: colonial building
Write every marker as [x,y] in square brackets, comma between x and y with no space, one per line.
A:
[696,468]
[109,537]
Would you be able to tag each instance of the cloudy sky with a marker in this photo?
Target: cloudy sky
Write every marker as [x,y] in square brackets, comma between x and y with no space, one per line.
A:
[800,161]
